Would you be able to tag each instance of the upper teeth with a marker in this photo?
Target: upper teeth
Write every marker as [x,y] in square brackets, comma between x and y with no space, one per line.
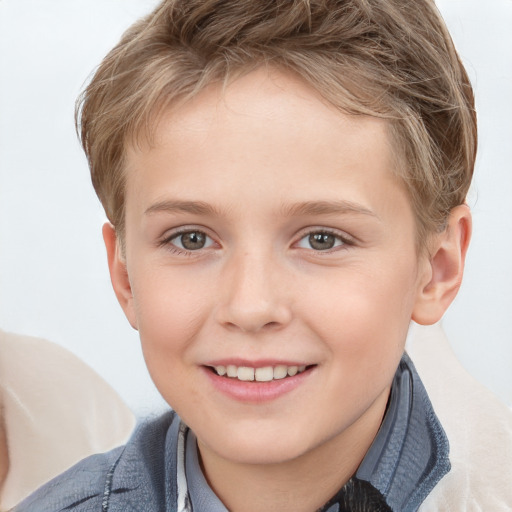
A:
[264,374]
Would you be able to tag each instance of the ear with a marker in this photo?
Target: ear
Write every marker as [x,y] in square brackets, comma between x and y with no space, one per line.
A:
[118,273]
[442,273]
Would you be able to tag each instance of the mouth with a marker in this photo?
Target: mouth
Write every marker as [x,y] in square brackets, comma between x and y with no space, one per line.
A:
[261,374]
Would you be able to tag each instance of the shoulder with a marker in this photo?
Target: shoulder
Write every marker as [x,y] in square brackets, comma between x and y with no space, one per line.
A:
[478,426]
[129,473]
[79,489]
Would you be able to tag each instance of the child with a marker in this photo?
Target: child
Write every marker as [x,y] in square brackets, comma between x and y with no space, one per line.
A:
[285,184]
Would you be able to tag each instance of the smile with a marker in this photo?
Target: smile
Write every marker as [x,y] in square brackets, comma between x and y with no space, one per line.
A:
[263,374]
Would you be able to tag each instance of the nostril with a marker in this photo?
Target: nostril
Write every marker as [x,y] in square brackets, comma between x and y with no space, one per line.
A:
[252,316]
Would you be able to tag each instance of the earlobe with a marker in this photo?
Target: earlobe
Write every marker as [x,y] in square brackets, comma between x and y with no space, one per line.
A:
[442,276]
[118,273]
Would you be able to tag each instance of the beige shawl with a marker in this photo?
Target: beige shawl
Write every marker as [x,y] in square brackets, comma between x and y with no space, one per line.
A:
[478,425]
[57,410]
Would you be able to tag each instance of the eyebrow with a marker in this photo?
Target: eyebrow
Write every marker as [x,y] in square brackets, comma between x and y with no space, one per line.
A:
[194,207]
[297,209]
[326,208]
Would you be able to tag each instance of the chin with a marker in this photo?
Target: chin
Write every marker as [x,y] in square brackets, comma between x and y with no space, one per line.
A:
[251,448]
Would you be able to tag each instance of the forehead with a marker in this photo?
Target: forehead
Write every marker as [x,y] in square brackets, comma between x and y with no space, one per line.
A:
[268,96]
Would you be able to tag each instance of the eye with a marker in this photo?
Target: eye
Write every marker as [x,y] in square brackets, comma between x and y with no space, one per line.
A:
[321,241]
[192,240]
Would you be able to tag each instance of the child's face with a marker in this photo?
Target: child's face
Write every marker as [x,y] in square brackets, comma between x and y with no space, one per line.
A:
[265,229]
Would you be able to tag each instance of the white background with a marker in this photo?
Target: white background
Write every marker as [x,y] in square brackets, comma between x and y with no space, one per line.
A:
[53,274]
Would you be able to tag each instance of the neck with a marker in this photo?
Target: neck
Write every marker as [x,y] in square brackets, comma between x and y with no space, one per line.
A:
[303,484]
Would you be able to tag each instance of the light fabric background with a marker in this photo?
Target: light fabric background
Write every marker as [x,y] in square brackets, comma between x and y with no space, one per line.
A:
[53,274]
[56,412]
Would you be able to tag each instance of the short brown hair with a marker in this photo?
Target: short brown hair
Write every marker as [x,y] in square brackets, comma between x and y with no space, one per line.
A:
[388,58]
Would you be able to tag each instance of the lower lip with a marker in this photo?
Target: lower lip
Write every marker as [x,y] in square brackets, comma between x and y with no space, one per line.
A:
[254,391]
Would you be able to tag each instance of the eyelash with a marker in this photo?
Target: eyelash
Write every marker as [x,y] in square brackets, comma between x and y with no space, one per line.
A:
[168,241]
[341,241]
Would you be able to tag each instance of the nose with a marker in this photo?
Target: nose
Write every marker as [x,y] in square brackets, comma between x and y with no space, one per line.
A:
[254,295]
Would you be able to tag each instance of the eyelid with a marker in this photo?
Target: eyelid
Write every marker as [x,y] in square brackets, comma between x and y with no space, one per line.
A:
[166,240]
[346,239]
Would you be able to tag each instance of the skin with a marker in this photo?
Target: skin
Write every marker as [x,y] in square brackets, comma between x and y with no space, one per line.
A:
[258,168]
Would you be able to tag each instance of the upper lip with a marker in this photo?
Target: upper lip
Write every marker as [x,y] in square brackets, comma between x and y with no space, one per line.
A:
[259,363]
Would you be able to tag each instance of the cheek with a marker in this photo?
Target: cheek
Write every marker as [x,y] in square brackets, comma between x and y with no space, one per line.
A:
[170,311]
[364,314]
[169,319]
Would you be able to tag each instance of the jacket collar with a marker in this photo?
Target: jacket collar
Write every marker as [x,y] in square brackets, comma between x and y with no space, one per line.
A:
[410,453]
